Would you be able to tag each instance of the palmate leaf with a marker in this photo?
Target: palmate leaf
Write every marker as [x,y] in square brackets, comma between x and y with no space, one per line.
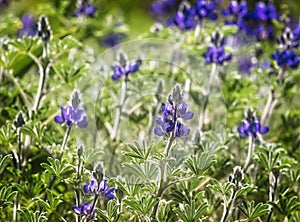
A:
[30,216]
[198,164]
[220,188]
[139,151]
[146,171]
[7,134]
[4,161]
[52,201]
[131,186]
[24,44]
[270,157]
[287,206]
[7,196]
[252,211]
[142,204]
[191,213]
[57,167]
[68,73]
[111,213]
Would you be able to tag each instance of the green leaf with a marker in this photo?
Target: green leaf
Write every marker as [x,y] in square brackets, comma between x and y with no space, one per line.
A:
[252,211]
[30,216]
[4,161]
[57,167]
[7,196]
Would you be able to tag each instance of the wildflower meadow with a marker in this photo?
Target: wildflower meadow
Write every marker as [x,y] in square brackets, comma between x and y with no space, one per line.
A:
[162,110]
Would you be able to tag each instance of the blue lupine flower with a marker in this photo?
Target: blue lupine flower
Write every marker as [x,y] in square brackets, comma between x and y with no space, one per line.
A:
[28,26]
[286,58]
[125,69]
[112,39]
[205,9]
[184,18]
[216,52]
[252,128]
[237,9]
[99,189]
[296,33]
[161,7]
[84,8]
[216,55]
[84,209]
[264,32]
[174,110]
[265,12]
[72,116]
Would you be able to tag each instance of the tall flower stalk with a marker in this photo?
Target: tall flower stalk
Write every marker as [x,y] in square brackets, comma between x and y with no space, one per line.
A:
[251,127]
[124,69]
[170,127]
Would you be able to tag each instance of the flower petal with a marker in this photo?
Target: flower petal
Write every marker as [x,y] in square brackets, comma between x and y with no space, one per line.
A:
[59,119]
[76,210]
[86,188]
[264,129]
[188,115]
[158,131]
[83,123]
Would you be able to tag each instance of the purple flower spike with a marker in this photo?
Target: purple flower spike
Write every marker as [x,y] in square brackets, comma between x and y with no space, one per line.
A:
[99,189]
[125,68]
[205,9]
[113,39]
[84,8]
[251,126]
[176,108]
[286,58]
[84,209]
[184,18]
[72,115]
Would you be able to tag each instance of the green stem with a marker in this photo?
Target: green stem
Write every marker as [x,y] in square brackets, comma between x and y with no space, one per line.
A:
[162,186]
[117,120]
[250,151]
[228,209]
[65,140]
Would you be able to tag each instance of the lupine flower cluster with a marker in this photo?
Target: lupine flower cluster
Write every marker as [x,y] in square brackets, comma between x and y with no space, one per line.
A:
[169,122]
[100,189]
[72,115]
[85,8]
[28,26]
[187,17]
[97,187]
[162,7]
[251,126]
[112,39]
[285,56]
[216,52]
[124,67]
[237,10]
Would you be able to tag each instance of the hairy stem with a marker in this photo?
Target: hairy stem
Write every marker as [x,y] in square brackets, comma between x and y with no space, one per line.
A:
[250,151]
[269,108]
[228,209]
[117,121]
[273,182]
[162,186]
